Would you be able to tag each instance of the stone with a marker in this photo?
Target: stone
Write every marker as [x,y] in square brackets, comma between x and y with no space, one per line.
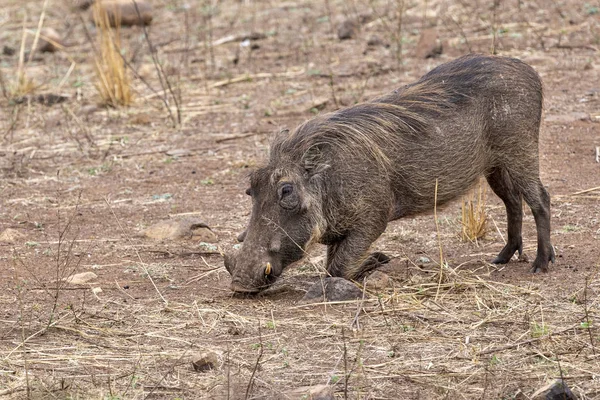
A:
[332,289]
[81,278]
[423,260]
[49,99]
[8,51]
[205,361]
[429,45]
[347,29]
[377,280]
[124,13]
[10,235]
[557,390]
[49,41]
[374,41]
[319,392]
[83,4]
[186,228]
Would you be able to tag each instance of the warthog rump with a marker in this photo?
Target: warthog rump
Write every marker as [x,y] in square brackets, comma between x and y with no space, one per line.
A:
[339,178]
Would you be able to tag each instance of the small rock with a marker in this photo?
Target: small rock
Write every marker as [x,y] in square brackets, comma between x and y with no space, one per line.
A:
[347,29]
[178,153]
[377,280]
[332,289]
[97,290]
[8,51]
[319,392]
[205,362]
[89,109]
[50,41]
[254,36]
[47,99]
[374,41]
[187,228]
[124,12]
[567,118]
[83,4]
[11,235]
[429,45]
[423,260]
[556,390]
[81,278]
[50,99]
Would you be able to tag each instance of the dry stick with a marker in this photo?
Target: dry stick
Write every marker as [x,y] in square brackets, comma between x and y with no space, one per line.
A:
[3,86]
[398,35]
[243,136]
[39,332]
[437,228]
[585,191]
[462,33]
[13,390]
[332,87]
[562,376]
[171,369]
[61,236]
[587,316]
[345,364]
[20,67]
[228,372]
[359,307]
[13,124]
[37,34]
[162,76]
[260,353]
[495,6]
[528,341]
[136,251]
[23,340]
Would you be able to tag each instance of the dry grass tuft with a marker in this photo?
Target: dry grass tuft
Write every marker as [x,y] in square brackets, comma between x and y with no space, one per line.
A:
[113,84]
[474,217]
[23,85]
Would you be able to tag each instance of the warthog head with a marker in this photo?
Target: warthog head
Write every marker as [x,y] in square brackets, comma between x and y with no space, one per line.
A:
[287,216]
[281,226]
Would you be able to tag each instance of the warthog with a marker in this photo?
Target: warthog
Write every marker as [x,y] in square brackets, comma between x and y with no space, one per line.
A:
[339,178]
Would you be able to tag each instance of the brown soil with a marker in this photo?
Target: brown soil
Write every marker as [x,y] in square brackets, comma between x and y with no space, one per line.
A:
[79,183]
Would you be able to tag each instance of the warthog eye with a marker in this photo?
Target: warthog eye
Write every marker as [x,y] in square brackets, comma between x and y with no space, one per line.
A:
[286,190]
[249,192]
[288,198]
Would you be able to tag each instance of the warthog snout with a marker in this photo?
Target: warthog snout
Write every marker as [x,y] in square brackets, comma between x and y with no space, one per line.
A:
[249,276]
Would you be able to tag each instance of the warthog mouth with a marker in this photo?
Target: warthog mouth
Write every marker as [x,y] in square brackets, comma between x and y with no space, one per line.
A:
[237,287]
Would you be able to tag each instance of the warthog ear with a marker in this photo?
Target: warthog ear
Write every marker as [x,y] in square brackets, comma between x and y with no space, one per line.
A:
[314,159]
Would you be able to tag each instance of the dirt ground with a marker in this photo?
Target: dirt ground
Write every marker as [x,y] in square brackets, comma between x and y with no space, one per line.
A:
[79,182]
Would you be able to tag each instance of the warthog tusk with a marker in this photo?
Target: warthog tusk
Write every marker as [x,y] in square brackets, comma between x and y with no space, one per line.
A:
[268,269]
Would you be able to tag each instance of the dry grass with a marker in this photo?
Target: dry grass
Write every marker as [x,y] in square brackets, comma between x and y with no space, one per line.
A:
[474,216]
[23,85]
[479,339]
[113,81]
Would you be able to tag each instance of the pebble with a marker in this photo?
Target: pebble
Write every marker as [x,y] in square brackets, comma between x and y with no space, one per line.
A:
[332,289]
[186,228]
[205,361]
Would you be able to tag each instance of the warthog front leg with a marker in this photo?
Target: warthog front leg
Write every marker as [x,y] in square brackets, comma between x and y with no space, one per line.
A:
[350,259]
